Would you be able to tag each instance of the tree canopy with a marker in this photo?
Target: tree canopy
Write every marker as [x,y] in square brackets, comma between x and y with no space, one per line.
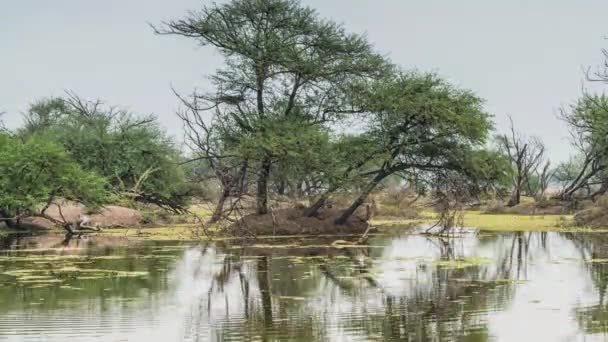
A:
[35,172]
[132,152]
[284,68]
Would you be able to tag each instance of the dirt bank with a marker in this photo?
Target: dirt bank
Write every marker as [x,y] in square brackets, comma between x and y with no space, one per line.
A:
[292,222]
[107,217]
[594,215]
[548,207]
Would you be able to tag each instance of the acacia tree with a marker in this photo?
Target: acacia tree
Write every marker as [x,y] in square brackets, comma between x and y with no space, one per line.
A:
[588,123]
[351,157]
[525,155]
[283,65]
[133,153]
[35,173]
[207,145]
[419,122]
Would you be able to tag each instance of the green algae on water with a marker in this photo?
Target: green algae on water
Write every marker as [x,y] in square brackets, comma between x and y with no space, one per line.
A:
[462,263]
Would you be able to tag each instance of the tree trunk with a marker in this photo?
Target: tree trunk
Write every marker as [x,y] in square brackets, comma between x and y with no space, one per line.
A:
[580,181]
[262,187]
[299,193]
[313,210]
[357,203]
[219,207]
[10,223]
[600,192]
[515,198]
[281,188]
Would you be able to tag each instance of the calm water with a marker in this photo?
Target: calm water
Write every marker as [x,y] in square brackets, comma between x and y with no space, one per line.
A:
[470,287]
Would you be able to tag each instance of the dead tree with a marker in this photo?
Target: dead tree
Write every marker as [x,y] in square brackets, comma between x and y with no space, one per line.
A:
[525,155]
[201,138]
[544,178]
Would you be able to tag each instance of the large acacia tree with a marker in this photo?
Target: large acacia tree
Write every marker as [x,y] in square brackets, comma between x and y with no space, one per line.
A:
[285,68]
[420,123]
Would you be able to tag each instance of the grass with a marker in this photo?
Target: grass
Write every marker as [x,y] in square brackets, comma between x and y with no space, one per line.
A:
[516,222]
[203,211]
[496,222]
[183,232]
[473,219]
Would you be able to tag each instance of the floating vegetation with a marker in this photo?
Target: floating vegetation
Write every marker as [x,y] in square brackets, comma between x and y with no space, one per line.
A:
[79,259]
[172,233]
[68,287]
[40,281]
[490,281]
[292,298]
[598,261]
[60,275]
[38,286]
[462,263]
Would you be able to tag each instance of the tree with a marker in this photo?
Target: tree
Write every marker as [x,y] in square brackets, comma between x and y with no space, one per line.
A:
[539,180]
[133,153]
[352,156]
[34,173]
[419,123]
[2,128]
[206,145]
[588,122]
[284,65]
[525,155]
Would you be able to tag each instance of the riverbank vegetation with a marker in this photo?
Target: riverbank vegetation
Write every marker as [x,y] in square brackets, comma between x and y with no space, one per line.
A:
[304,129]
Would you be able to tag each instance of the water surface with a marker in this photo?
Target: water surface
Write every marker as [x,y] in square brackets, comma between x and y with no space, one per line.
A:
[472,286]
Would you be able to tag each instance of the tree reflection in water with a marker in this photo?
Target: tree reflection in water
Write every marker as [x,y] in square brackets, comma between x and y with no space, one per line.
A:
[467,287]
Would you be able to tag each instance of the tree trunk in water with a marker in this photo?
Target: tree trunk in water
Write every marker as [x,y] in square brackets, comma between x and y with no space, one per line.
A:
[357,203]
[262,191]
[219,207]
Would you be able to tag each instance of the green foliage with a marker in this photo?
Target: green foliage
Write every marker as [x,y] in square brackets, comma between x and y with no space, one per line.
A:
[589,117]
[566,172]
[421,122]
[132,153]
[44,114]
[286,71]
[588,121]
[35,171]
[488,170]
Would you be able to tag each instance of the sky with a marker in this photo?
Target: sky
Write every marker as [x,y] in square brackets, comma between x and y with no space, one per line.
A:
[525,58]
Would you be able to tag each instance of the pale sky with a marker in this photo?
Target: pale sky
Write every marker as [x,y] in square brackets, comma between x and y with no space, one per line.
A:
[526,58]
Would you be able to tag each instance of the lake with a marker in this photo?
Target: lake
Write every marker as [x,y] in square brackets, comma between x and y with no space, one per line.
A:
[469,286]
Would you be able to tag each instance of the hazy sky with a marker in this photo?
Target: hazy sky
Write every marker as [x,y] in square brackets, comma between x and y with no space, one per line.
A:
[526,58]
